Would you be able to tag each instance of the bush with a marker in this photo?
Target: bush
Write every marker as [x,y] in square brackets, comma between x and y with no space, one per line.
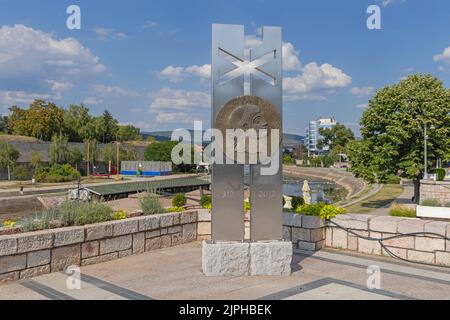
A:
[205,201]
[150,204]
[119,215]
[398,210]
[75,213]
[320,209]
[431,203]
[247,206]
[310,209]
[39,221]
[328,211]
[297,202]
[57,173]
[179,200]
[447,205]
[393,179]
[440,174]
[20,173]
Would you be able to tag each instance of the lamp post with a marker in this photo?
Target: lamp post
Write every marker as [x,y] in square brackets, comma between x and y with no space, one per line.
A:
[425,150]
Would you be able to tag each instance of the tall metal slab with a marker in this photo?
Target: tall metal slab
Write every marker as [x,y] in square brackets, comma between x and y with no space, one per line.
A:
[266,190]
[227,179]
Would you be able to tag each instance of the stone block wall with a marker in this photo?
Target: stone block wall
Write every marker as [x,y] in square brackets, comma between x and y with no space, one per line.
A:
[439,190]
[416,248]
[30,254]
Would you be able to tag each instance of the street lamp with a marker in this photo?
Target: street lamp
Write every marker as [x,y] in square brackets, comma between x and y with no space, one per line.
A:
[425,147]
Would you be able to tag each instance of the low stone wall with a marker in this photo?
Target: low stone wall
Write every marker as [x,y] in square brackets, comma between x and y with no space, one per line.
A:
[30,254]
[312,233]
[439,190]
[416,248]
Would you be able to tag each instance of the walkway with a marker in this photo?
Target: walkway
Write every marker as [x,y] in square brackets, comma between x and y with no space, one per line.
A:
[175,273]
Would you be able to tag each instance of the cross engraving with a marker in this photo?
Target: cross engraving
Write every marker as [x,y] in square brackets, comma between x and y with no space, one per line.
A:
[248,67]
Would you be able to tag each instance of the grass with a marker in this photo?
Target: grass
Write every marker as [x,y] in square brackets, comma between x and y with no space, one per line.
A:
[16,138]
[398,210]
[387,194]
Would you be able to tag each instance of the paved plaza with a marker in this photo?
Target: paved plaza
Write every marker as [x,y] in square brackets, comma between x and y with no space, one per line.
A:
[175,273]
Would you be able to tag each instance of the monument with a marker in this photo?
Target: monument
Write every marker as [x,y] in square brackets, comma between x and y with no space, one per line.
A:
[243,104]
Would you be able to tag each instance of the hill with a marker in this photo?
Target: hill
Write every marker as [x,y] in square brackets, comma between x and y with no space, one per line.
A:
[288,138]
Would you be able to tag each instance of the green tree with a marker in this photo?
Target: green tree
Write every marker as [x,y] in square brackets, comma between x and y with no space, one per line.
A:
[109,153]
[59,149]
[75,156]
[159,151]
[339,135]
[128,153]
[128,133]
[41,120]
[107,126]
[393,130]
[3,124]
[8,156]
[35,161]
[76,119]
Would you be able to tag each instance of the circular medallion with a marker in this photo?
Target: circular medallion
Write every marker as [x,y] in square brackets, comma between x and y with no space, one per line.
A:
[250,112]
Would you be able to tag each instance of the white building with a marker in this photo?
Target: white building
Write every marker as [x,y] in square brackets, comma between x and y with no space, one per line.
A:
[312,136]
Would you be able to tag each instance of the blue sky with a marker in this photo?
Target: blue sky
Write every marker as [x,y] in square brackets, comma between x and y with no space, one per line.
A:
[148,61]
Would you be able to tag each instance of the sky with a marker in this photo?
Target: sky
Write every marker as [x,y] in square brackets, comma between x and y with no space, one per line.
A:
[148,62]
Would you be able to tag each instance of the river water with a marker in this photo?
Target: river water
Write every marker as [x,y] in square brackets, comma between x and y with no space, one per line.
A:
[321,190]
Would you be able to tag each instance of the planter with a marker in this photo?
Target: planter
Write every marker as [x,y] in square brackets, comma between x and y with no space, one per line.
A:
[433,212]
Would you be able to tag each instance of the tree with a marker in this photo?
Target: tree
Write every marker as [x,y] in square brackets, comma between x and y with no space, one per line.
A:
[128,153]
[75,156]
[41,120]
[159,151]
[35,161]
[109,153]
[338,135]
[107,127]
[393,130]
[128,133]
[59,149]
[76,119]
[8,156]
[3,124]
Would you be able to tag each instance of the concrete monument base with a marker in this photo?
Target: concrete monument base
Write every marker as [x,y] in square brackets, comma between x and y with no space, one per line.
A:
[262,258]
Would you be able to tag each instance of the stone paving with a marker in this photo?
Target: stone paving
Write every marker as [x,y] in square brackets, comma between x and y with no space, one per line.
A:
[175,273]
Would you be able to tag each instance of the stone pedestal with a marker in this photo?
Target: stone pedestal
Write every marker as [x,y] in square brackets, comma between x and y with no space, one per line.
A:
[265,258]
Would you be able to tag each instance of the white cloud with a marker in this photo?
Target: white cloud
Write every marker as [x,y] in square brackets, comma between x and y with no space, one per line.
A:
[316,77]
[203,71]
[59,86]
[386,3]
[175,117]
[362,106]
[42,61]
[171,99]
[443,57]
[171,73]
[114,91]
[92,100]
[149,24]
[22,98]
[105,34]
[362,91]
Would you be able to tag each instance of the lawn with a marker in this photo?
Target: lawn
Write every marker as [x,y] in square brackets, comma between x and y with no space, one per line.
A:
[387,194]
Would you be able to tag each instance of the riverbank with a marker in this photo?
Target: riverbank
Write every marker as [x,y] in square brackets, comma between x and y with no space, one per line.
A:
[355,187]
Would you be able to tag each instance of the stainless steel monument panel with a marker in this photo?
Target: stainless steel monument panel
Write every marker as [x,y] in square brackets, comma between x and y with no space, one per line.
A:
[227,180]
[266,190]
[228,69]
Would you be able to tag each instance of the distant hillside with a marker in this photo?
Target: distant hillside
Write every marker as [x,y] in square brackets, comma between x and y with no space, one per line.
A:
[165,135]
